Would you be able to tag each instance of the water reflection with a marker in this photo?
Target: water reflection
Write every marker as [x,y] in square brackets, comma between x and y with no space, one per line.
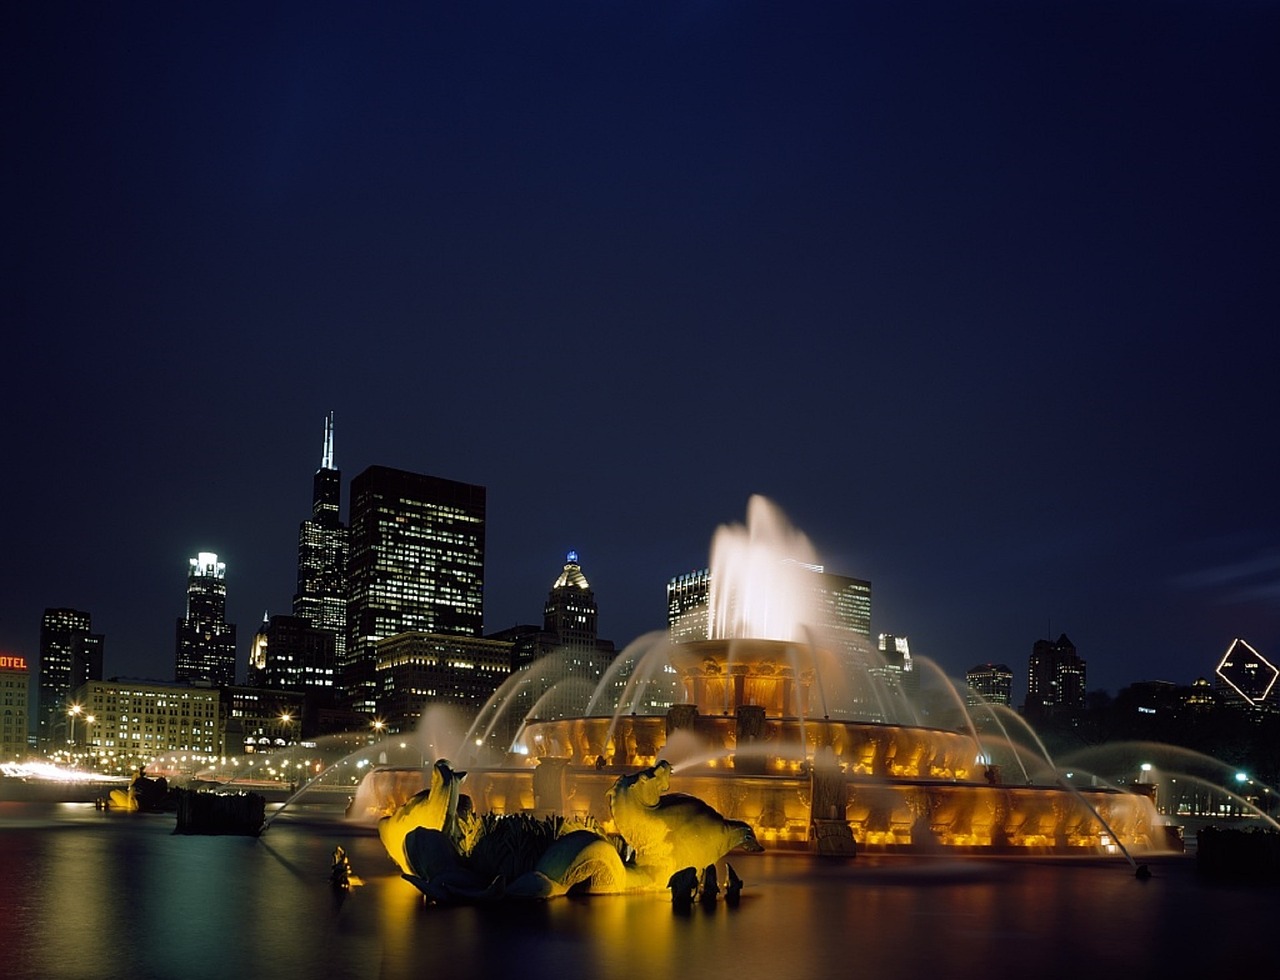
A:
[90,895]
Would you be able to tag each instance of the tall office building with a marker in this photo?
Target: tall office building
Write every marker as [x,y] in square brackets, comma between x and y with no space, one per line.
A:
[417,670]
[988,684]
[1055,680]
[846,601]
[845,606]
[416,565]
[206,643]
[895,667]
[688,617]
[70,655]
[571,658]
[570,611]
[289,654]
[321,598]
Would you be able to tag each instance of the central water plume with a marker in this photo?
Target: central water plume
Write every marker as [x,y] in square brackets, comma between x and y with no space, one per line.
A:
[761,578]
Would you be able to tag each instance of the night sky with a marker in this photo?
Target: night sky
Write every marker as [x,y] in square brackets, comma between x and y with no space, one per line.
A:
[982,295]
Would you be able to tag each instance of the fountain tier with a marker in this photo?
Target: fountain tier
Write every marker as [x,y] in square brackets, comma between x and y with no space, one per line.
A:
[746,741]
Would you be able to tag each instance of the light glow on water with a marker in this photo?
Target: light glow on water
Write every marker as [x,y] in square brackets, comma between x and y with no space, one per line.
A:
[106,876]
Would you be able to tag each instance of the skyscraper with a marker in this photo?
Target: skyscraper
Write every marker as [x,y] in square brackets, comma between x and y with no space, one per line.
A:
[687,612]
[321,599]
[846,601]
[570,611]
[570,655]
[895,667]
[70,655]
[417,670]
[416,564]
[1055,679]
[289,654]
[989,684]
[206,643]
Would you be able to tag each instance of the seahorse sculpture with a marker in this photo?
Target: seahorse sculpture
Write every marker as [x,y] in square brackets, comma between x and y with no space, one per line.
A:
[664,832]
[435,808]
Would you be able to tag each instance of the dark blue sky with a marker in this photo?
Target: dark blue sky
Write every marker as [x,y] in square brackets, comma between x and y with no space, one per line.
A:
[982,295]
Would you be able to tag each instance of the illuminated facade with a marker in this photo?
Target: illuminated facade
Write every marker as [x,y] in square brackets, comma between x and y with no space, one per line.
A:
[321,598]
[15,682]
[255,720]
[847,601]
[415,670]
[1246,675]
[206,642]
[416,565]
[896,669]
[988,684]
[1055,679]
[290,654]
[687,612]
[570,611]
[138,720]
[70,655]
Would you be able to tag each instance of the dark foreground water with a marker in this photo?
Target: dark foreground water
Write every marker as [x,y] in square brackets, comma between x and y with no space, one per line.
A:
[91,894]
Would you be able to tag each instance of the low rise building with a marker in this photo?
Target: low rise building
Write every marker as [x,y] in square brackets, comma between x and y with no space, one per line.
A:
[127,723]
[15,710]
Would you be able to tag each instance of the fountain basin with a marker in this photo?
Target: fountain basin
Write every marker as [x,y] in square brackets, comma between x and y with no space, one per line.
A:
[884,815]
[746,742]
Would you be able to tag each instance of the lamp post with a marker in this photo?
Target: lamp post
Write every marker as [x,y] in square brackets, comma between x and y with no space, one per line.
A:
[378,726]
[72,714]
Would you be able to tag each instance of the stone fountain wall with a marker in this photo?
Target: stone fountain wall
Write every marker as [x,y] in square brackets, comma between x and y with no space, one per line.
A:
[781,744]
[883,814]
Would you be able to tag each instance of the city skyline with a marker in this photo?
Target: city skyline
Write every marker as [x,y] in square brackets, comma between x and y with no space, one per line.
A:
[981,297]
[325,477]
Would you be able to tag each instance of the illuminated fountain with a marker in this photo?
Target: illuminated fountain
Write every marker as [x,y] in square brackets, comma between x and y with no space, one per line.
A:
[787,721]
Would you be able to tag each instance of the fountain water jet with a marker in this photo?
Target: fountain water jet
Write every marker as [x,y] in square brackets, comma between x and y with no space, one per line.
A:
[748,741]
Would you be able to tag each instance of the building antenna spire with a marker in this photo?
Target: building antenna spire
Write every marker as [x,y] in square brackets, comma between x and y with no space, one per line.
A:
[326,461]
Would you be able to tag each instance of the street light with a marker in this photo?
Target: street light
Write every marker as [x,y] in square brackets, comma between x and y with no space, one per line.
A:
[73,713]
[378,726]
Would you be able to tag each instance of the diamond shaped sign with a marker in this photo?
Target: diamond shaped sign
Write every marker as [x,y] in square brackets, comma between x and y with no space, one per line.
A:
[1248,672]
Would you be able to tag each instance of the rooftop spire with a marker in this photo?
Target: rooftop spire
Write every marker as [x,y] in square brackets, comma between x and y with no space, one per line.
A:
[326,461]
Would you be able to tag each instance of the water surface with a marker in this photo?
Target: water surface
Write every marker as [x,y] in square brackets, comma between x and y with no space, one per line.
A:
[87,894]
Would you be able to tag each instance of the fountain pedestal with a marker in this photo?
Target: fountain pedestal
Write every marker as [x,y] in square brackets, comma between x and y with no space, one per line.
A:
[749,731]
[829,800]
[833,838]
[682,716]
[550,792]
